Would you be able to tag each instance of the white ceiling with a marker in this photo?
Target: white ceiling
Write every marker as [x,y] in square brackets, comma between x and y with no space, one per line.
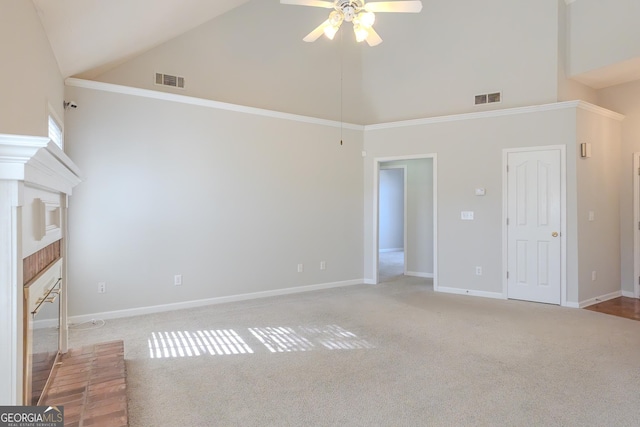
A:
[89,37]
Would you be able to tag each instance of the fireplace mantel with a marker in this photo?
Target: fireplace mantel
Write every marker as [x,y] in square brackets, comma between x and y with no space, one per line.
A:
[29,165]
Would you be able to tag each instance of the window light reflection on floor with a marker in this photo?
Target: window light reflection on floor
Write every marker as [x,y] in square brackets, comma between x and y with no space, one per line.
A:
[189,344]
[334,337]
[279,339]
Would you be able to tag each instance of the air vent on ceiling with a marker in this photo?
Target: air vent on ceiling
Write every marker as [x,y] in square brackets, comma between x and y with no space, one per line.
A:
[488,98]
[169,80]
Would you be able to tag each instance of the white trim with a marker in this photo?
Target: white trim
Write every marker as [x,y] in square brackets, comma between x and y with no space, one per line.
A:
[418,274]
[603,298]
[563,217]
[628,294]
[369,282]
[391,250]
[636,224]
[209,301]
[498,113]
[572,304]
[374,208]
[404,212]
[165,96]
[461,291]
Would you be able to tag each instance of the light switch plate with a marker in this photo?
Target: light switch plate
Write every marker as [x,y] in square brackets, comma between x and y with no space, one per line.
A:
[466,215]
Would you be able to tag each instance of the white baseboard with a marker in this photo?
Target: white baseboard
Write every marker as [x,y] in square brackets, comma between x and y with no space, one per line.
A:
[418,274]
[369,282]
[460,291]
[209,301]
[572,305]
[602,298]
[391,250]
[628,294]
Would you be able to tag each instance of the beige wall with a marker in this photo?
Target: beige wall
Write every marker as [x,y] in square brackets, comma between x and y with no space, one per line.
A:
[430,64]
[602,33]
[29,73]
[469,155]
[254,55]
[231,201]
[625,99]
[598,192]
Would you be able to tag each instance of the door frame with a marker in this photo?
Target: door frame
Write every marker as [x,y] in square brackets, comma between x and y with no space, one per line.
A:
[563,216]
[374,210]
[636,223]
[404,212]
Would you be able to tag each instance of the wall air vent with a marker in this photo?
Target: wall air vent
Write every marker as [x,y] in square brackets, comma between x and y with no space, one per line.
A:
[488,98]
[169,80]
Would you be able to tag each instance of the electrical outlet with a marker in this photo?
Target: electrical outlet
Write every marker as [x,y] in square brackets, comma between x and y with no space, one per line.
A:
[102,287]
[177,280]
[300,268]
[593,275]
[323,265]
[478,271]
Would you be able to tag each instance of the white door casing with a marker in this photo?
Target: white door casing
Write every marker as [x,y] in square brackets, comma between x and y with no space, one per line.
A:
[374,206]
[534,212]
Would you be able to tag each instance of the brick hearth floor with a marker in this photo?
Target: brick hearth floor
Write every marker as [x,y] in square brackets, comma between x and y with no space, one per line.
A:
[91,384]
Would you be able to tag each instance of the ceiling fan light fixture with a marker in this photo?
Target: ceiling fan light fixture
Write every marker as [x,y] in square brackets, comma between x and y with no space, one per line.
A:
[336,18]
[330,31]
[366,19]
[361,32]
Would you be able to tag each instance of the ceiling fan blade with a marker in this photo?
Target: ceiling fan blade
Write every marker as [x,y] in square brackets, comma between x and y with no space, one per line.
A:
[315,34]
[394,6]
[373,39]
[314,3]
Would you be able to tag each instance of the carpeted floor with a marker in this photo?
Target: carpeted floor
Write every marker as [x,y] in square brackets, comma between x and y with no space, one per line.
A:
[395,354]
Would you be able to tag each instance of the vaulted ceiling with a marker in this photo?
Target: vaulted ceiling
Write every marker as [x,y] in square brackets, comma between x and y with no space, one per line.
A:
[89,37]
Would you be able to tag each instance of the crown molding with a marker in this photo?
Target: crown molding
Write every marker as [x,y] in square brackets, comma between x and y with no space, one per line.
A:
[499,113]
[146,93]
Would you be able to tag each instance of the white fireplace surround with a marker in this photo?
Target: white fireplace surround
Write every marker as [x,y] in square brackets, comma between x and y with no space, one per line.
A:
[36,179]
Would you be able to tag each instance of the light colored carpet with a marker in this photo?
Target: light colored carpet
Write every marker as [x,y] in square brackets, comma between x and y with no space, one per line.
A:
[395,354]
[390,265]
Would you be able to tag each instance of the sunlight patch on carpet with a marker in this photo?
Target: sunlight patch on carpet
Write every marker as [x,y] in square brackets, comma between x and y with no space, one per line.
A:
[279,339]
[189,344]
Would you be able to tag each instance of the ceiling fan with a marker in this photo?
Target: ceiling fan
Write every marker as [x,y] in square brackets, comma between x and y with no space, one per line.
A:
[356,11]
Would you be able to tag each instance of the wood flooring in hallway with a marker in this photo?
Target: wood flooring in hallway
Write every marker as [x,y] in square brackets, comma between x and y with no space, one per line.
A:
[622,307]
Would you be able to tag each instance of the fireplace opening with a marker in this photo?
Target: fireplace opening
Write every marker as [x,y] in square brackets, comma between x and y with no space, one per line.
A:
[42,331]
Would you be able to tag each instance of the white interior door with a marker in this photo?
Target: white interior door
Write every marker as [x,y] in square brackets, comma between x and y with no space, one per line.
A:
[533,226]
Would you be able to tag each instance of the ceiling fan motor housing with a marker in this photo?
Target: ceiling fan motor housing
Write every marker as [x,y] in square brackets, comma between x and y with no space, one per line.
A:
[349,8]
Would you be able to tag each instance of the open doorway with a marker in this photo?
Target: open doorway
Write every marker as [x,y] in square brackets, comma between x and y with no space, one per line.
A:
[405,218]
[392,230]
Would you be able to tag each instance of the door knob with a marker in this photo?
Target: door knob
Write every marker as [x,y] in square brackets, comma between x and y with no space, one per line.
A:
[554,234]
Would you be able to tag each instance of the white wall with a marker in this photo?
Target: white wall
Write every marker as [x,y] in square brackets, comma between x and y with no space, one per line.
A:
[231,201]
[391,209]
[469,155]
[601,34]
[29,73]
[625,99]
[254,55]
